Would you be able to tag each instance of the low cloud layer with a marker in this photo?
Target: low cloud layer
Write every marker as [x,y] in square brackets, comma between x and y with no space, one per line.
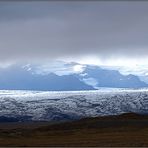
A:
[53,30]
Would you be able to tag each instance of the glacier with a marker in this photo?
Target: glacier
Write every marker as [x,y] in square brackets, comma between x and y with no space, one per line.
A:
[71,105]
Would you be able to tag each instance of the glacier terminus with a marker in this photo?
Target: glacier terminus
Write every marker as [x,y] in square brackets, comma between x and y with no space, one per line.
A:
[20,105]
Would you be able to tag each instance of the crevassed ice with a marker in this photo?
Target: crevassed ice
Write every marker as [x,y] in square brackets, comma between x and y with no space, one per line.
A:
[51,105]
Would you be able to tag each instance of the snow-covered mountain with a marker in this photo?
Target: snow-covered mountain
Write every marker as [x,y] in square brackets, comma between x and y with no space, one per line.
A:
[64,76]
[20,78]
[100,77]
[50,106]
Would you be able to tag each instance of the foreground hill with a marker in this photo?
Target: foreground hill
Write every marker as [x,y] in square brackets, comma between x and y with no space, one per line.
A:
[123,130]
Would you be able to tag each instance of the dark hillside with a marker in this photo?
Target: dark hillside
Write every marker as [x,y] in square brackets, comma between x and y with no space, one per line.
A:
[122,130]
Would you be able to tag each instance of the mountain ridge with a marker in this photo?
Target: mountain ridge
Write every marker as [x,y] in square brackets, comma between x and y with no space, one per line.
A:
[20,77]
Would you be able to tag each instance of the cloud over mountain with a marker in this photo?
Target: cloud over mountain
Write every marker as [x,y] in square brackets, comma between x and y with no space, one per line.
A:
[52,30]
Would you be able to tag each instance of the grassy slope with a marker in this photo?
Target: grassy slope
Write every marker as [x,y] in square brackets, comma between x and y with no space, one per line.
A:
[123,130]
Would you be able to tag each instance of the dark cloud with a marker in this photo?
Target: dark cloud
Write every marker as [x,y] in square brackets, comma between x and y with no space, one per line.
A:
[50,30]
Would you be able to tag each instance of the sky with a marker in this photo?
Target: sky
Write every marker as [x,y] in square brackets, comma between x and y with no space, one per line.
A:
[103,33]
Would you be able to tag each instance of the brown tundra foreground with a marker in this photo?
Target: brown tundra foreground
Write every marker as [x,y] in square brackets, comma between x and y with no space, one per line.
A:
[123,130]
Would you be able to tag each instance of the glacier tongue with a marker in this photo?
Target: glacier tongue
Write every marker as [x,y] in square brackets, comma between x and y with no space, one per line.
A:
[69,105]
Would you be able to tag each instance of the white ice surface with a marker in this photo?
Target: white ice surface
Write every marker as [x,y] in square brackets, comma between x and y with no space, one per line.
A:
[59,105]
